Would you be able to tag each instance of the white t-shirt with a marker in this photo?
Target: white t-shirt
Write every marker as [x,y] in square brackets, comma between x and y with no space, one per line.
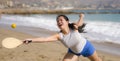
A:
[73,40]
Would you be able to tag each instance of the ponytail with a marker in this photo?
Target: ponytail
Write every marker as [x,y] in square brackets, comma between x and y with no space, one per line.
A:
[80,28]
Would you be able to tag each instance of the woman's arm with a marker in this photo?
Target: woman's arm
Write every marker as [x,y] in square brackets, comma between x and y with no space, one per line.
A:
[43,39]
[80,21]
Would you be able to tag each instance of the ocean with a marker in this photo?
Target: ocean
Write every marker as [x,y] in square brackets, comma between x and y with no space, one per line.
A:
[99,28]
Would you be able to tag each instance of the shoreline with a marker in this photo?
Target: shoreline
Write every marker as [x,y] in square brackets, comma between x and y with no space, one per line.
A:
[40,51]
[106,47]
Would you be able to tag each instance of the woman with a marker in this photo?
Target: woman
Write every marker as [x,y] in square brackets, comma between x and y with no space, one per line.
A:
[72,39]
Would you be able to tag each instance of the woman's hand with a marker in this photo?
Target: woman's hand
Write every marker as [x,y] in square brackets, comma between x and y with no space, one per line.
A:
[81,15]
[27,41]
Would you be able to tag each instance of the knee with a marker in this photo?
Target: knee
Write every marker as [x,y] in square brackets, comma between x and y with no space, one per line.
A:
[98,59]
[70,59]
[66,60]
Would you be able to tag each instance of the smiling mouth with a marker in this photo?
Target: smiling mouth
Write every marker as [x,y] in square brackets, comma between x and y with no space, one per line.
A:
[60,24]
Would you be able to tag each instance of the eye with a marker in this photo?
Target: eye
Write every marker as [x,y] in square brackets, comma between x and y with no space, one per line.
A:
[58,20]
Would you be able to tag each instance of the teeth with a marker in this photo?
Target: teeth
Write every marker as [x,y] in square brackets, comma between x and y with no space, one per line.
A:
[60,24]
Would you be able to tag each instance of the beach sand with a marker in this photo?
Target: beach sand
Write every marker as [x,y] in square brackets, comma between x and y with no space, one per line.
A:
[49,51]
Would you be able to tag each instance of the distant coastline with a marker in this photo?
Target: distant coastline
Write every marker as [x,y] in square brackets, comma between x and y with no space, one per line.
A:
[59,7]
[67,11]
[32,11]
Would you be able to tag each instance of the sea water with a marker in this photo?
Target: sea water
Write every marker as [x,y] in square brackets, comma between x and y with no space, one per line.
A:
[99,28]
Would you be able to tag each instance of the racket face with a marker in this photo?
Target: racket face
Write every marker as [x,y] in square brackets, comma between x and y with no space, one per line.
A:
[11,42]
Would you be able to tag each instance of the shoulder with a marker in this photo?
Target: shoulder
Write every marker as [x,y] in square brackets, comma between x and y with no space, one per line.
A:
[58,35]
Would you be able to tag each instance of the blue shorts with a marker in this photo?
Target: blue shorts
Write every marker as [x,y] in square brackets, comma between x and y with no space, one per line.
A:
[88,50]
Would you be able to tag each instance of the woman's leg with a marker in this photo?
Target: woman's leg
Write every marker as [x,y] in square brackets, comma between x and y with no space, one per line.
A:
[94,57]
[70,57]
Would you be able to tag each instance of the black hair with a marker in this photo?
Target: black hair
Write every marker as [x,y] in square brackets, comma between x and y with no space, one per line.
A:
[64,16]
[80,28]
[71,25]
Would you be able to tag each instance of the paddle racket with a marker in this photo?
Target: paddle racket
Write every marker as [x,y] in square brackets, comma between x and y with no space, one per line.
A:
[11,42]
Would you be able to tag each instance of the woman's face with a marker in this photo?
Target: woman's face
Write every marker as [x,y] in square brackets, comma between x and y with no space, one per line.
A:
[61,22]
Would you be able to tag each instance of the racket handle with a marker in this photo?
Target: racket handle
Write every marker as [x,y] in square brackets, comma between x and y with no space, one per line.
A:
[27,41]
